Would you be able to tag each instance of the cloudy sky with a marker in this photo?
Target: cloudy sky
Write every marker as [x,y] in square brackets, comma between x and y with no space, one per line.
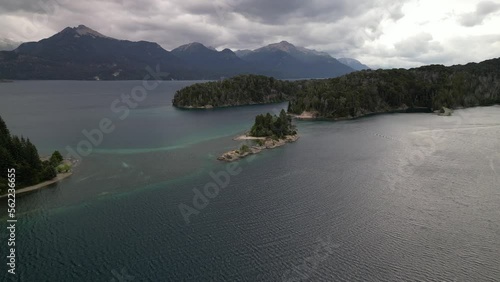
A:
[380,33]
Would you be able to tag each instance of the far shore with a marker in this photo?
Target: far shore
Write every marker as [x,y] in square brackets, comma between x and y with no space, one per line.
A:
[38,186]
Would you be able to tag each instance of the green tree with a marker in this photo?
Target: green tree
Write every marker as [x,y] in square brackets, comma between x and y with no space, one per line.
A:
[56,158]
[48,171]
[269,125]
[22,155]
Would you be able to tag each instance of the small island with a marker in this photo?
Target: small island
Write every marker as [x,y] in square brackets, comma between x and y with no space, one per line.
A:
[268,132]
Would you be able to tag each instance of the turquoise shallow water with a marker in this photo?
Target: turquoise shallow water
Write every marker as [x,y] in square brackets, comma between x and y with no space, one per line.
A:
[386,198]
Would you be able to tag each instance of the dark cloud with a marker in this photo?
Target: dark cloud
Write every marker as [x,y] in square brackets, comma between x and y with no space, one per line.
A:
[7,6]
[343,28]
[220,23]
[282,12]
[483,10]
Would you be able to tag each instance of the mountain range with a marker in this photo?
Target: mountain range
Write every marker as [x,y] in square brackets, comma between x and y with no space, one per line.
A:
[81,53]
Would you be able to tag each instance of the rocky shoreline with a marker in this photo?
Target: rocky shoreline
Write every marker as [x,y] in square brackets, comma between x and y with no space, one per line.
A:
[445,112]
[267,143]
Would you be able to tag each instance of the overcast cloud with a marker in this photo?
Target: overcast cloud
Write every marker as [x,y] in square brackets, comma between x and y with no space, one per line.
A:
[380,33]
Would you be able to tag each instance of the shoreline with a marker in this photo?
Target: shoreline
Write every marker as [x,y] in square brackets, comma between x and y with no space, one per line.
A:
[269,143]
[39,186]
[246,137]
[314,116]
[222,107]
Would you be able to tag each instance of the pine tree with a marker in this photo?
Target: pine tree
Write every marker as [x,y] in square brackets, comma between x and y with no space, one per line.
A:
[56,158]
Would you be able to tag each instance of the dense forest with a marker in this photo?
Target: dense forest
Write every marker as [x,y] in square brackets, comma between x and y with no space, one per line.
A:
[430,87]
[22,155]
[239,90]
[273,126]
[358,93]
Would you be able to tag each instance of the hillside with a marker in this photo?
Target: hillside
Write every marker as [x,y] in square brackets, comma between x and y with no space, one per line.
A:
[353,63]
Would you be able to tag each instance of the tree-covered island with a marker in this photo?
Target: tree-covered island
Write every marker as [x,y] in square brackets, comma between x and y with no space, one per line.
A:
[268,132]
[236,91]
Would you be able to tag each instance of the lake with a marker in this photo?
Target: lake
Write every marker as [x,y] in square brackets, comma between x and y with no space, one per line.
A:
[392,197]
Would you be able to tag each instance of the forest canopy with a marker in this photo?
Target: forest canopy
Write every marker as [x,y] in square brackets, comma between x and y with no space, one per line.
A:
[357,93]
[273,126]
[19,153]
[239,90]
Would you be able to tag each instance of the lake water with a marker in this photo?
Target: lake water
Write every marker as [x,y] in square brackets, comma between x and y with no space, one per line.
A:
[394,197]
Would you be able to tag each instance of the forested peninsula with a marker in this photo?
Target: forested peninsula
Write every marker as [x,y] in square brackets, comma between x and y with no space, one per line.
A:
[356,94]
[19,160]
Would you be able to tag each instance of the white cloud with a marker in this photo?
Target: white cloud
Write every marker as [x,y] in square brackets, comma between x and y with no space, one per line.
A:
[483,10]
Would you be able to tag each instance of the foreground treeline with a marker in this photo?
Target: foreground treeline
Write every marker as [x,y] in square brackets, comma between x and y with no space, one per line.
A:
[22,155]
[358,93]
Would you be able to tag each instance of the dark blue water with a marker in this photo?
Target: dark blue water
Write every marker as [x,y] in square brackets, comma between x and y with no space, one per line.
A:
[395,197]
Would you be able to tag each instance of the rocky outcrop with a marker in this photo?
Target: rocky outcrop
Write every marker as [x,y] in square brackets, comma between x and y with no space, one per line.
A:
[268,143]
[445,112]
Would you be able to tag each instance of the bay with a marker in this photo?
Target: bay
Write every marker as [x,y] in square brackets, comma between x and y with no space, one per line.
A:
[393,197]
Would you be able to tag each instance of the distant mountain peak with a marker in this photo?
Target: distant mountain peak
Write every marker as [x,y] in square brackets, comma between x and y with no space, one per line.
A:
[288,47]
[191,47]
[227,50]
[284,46]
[83,30]
[285,43]
[192,44]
